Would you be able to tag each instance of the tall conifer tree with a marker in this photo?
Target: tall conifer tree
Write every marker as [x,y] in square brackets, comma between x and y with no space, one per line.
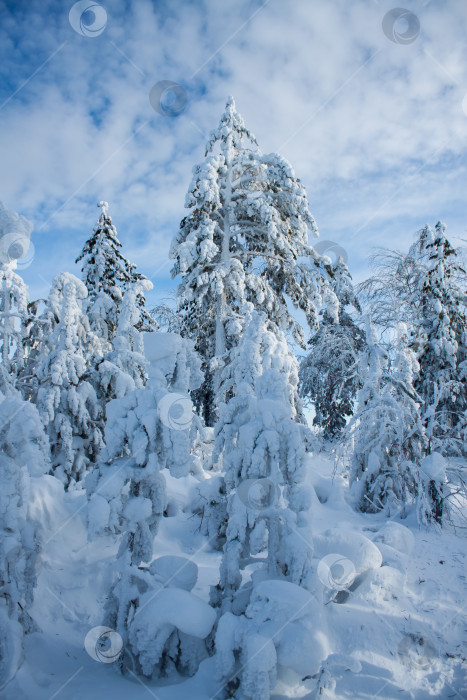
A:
[245,237]
[107,274]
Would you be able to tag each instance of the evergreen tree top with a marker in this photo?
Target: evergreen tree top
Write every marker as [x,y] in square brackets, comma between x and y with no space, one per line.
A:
[246,237]
[343,287]
[440,262]
[107,275]
[432,245]
[231,132]
[104,267]
[424,238]
[439,247]
[104,206]
[101,251]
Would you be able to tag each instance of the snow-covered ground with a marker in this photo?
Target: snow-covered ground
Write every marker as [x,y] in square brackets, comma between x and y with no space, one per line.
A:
[399,631]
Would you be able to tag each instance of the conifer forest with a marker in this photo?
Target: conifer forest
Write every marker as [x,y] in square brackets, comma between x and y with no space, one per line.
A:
[233,396]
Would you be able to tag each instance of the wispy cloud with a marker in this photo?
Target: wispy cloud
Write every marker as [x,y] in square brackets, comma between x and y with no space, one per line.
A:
[375,129]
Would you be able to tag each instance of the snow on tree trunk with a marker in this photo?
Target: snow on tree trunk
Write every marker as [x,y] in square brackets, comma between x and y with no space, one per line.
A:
[432,489]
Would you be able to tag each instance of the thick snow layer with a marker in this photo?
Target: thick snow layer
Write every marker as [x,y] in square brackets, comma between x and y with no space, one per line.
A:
[396,536]
[158,346]
[283,622]
[176,608]
[354,546]
[399,631]
[136,510]
[288,601]
[172,359]
[175,572]
[302,648]
[294,620]
[98,515]
[383,585]
[433,467]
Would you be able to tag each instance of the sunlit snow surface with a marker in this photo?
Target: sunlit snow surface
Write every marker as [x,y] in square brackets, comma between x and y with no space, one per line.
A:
[399,631]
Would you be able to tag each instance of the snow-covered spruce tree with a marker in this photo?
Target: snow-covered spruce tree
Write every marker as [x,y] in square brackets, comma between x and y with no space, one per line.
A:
[328,374]
[107,274]
[24,454]
[261,450]
[146,431]
[123,369]
[282,625]
[14,315]
[386,432]
[42,321]
[15,233]
[245,237]
[66,400]
[440,340]
[426,289]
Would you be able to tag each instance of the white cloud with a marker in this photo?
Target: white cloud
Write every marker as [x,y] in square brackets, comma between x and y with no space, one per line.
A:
[381,132]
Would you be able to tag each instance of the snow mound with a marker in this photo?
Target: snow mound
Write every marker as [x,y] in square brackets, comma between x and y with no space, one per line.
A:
[158,346]
[396,536]
[282,621]
[293,618]
[354,546]
[433,467]
[137,510]
[174,608]
[380,586]
[98,512]
[287,600]
[172,361]
[302,648]
[175,572]
[10,646]
[174,623]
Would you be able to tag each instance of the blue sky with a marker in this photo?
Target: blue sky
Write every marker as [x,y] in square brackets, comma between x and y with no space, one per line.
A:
[375,129]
